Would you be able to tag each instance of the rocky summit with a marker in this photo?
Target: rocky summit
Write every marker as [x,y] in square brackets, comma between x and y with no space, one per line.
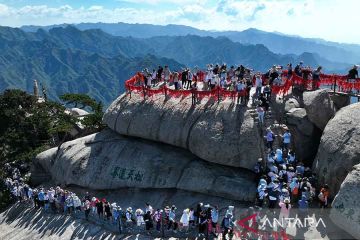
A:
[109,161]
[339,147]
[223,133]
[345,212]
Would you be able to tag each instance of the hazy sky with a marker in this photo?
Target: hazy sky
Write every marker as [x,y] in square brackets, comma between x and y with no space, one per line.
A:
[335,20]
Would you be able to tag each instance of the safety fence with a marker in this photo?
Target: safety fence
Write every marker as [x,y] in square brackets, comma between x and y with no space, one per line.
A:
[336,82]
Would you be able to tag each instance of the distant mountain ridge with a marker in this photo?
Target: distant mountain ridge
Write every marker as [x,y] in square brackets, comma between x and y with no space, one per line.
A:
[28,56]
[275,42]
[66,59]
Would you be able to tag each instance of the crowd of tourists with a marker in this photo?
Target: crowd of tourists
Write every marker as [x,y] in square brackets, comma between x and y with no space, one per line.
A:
[283,183]
[235,78]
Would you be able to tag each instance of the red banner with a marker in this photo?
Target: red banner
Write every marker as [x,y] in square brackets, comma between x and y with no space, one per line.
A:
[136,84]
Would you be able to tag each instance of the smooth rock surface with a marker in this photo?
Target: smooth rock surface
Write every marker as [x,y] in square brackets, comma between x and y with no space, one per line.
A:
[345,210]
[339,148]
[223,133]
[319,107]
[306,137]
[340,101]
[107,160]
[291,103]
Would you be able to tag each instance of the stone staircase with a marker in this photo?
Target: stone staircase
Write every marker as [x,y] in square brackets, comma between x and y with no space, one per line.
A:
[270,121]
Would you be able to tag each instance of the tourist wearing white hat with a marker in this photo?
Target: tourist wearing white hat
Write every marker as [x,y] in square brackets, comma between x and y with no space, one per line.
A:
[285,209]
[184,220]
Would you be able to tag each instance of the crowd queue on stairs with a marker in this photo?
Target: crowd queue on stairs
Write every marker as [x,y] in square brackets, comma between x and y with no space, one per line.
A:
[284,183]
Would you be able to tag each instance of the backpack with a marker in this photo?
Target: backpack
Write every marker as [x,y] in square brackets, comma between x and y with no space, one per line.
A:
[295,191]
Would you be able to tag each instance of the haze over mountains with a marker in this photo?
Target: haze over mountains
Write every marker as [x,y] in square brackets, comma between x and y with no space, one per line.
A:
[275,42]
[97,58]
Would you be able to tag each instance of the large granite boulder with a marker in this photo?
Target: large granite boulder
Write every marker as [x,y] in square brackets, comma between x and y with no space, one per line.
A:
[291,103]
[107,160]
[339,147]
[319,107]
[340,100]
[345,210]
[223,133]
[306,137]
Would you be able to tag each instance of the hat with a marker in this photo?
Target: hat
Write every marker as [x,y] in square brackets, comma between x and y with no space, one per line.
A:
[260,160]
[129,209]
[231,207]
[207,206]
[287,200]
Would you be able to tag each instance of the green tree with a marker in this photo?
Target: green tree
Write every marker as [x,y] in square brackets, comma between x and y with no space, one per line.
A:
[92,121]
[28,126]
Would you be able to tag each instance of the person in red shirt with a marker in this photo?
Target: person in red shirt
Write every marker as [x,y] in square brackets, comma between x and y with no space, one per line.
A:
[324,196]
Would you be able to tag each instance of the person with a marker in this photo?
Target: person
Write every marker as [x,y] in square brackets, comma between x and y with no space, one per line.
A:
[159,74]
[176,80]
[130,220]
[303,207]
[294,187]
[273,75]
[107,211]
[291,157]
[290,71]
[87,209]
[184,220]
[316,78]
[193,93]
[213,81]
[353,74]
[69,203]
[167,74]
[46,201]
[191,217]
[285,209]
[209,76]
[184,77]
[153,77]
[148,221]
[93,204]
[157,219]
[258,84]
[172,221]
[197,213]
[240,87]
[203,222]
[189,79]
[148,207]
[263,102]
[286,139]
[100,208]
[139,217]
[298,69]
[77,203]
[273,194]
[267,92]
[41,197]
[270,137]
[115,212]
[324,196]
[260,112]
[227,226]
[214,218]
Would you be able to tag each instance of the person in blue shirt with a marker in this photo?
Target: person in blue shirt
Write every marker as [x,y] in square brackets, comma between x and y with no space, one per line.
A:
[286,139]
[41,197]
